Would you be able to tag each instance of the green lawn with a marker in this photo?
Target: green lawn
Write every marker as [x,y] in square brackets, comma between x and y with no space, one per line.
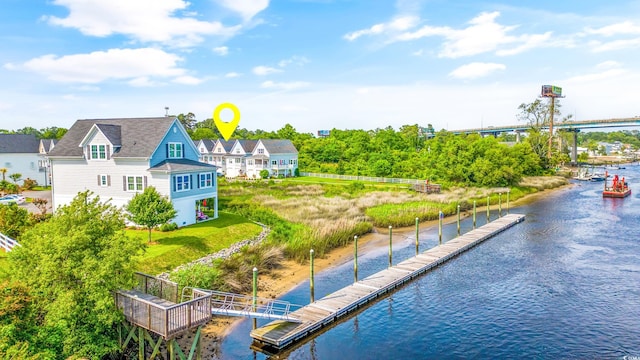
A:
[173,248]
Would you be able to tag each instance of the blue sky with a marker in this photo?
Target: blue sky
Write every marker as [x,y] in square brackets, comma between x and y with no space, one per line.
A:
[316,64]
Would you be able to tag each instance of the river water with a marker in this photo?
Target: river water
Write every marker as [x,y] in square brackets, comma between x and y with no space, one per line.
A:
[564,284]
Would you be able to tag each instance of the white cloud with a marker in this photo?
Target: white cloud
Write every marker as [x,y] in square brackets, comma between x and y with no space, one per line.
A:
[284,85]
[483,34]
[598,46]
[402,23]
[246,8]
[188,80]
[625,28]
[221,50]
[476,70]
[142,20]
[294,60]
[265,70]
[603,71]
[232,75]
[137,65]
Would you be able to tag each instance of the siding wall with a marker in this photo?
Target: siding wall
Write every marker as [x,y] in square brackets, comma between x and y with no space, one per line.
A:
[25,164]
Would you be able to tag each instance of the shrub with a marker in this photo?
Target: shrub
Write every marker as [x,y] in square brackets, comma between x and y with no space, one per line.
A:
[168,227]
[264,174]
[29,184]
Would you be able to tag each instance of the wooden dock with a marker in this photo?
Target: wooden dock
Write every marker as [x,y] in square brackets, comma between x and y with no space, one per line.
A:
[279,334]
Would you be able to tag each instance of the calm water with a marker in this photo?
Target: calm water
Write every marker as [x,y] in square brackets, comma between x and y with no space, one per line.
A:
[565,284]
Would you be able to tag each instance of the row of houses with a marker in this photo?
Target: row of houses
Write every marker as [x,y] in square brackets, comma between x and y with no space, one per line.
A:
[117,158]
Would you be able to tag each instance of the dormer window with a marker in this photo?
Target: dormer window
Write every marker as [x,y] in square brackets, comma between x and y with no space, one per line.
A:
[98,152]
[260,151]
[175,151]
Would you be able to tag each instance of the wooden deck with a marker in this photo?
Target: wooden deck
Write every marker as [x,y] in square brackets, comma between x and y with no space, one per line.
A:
[279,334]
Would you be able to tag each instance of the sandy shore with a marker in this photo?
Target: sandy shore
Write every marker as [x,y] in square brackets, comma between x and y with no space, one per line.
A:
[291,274]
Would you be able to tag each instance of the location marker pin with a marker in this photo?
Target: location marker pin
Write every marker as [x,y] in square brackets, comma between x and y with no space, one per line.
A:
[226,128]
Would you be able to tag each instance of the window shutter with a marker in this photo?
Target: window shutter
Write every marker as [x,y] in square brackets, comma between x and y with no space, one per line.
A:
[198,182]
[108,180]
[167,148]
[99,180]
[191,181]
[108,152]
[124,182]
[88,152]
[144,179]
[174,183]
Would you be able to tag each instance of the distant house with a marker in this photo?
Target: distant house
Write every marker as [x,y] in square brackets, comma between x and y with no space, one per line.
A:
[214,152]
[117,158]
[22,154]
[249,157]
[279,157]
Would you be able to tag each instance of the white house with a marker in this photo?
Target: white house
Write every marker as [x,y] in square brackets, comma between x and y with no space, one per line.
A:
[117,158]
[279,157]
[22,154]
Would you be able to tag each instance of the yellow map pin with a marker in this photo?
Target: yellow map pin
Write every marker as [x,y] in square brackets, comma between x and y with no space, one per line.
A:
[226,128]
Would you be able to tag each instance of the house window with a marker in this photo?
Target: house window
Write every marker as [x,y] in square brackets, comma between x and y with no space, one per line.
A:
[237,160]
[175,150]
[98,152]
[206,180]
[104,180]
[250,162]
[260,151]
[219,150]
[274,162]
[237,151]
[182,182]
[290,161]
[134,183]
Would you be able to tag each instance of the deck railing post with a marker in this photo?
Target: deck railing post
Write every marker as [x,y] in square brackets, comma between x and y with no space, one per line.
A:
[440,217]
[499,204]
[311,285]
[417,234]
[508,192]
[355,259]
[458,219]
[390,246]
[474,214]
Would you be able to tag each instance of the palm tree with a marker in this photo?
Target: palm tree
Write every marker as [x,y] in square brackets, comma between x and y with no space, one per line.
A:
[3,171]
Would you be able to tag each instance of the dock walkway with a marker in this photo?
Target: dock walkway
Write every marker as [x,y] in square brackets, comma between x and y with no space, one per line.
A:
[279,334]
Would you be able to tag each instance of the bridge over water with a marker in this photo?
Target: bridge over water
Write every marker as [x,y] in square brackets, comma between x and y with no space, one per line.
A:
[569,126]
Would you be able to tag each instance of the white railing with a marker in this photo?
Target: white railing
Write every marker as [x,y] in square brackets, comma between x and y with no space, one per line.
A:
[7,243]
[364,178]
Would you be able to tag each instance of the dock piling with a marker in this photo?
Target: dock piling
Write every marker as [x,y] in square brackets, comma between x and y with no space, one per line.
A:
[311,285]
[255,295]
[458,219]
[488,206]
[499,204]
[355,259]
[417,235]
[390,246]
[474,214]
[440,217]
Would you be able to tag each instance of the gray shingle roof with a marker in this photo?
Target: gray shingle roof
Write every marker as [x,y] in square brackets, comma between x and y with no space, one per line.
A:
[227,145]
[139,137]
[19,143]
[208,144]
[274,146]
[112,132]
[182,165]
[248,145]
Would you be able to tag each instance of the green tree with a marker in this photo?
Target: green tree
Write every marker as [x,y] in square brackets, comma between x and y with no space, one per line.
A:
[264,174]
[150,209]
[71,266]
[15,177]
[13,220]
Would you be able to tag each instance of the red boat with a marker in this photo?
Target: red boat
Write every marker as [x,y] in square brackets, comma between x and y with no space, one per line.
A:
[618,189]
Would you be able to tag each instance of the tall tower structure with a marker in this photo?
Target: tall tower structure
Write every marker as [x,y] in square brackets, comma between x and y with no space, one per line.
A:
[553,92]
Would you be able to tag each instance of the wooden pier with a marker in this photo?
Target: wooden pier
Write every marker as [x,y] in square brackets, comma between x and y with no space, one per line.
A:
[280,334]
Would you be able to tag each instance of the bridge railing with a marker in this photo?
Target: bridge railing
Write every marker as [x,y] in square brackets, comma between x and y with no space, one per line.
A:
[166,321]
[224,303]
[152,285]
[7,243]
